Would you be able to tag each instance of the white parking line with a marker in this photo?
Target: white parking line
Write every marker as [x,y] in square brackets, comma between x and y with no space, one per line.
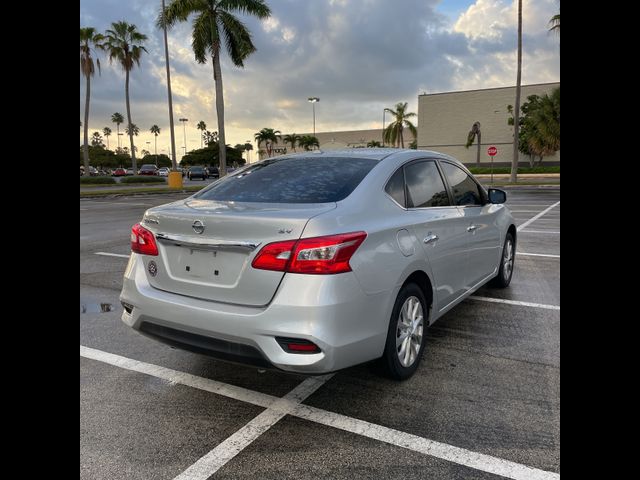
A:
[219,456]
[538,255]
[107,254]
[291,404]
[533,219]
[515,302]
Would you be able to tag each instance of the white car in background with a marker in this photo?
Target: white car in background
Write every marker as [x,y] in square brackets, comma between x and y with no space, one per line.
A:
[163,172]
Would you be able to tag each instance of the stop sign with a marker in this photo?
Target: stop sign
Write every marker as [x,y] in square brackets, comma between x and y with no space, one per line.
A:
[492,151]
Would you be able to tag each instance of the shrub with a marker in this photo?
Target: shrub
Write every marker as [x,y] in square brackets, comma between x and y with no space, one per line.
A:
[96,180]
[142,179]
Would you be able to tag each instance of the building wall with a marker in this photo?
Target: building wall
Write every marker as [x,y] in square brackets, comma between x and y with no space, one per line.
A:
[444,121]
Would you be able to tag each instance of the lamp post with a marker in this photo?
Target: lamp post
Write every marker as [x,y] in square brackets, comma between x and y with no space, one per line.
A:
[184,125]
[313,101]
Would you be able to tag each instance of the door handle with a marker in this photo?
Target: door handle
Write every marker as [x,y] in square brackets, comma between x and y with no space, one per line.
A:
[471,228]
[430,238]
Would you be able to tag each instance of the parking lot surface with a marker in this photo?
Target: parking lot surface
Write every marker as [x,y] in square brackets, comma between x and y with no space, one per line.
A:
[485,402]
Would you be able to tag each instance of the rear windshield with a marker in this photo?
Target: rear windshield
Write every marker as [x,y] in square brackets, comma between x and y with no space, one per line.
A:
[196,169]
[292,180]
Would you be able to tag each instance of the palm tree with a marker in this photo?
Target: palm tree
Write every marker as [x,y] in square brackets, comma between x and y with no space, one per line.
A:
[554,24]
[393,132]
[473,133]
[214,25]
[247,148]
[308,142]
[269,136]
[374,144]
[155,129]
[201,126]
[516,110]
[543,124]
[89,40]
[124,44]
[291,139]
[117,118]
[96,140]
[132,129]
[106,131]
[209,137]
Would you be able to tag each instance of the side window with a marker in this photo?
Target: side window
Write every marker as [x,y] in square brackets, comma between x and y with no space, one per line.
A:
[425,187]
[465,190]
[395,187]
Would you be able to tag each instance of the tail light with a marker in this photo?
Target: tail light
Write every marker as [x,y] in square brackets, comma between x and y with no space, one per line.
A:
[297,345]
[316,255]
[143,241]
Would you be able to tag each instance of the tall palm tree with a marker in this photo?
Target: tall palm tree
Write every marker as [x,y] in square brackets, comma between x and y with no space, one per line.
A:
[201,126]
[124,43]
[106,131]
[473,133]
[96,140]
[89,40]
[247,148]
[393,133]
[516,109]
[269,136]
[155,129]
[117,118]
[308,142]
[291,139]
[132,129]
[215,24]
[554,24]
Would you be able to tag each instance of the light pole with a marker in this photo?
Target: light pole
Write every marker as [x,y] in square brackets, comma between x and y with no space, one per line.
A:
[313,101]
[184,125]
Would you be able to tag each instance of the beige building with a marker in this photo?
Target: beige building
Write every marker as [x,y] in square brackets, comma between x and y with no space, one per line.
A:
[445,119]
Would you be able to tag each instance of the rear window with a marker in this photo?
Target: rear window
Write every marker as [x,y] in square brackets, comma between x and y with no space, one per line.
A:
[196,169]
[292,180]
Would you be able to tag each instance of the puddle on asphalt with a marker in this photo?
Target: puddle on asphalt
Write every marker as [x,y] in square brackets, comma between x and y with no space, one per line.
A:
[95,307]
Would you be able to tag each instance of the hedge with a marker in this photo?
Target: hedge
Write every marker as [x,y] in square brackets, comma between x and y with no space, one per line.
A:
[142,179]
[487,170]
[97,180]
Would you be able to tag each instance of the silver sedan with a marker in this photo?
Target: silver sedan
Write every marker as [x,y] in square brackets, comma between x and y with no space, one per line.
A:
[319,261]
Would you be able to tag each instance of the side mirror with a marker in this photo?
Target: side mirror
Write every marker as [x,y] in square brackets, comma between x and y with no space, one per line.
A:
[497,196]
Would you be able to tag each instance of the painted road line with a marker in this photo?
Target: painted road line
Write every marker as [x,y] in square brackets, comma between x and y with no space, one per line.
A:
[118,203]
[538,255]
[515,302]
[461,456]
[451,453]
[533,219]
[219,456]
[107,254]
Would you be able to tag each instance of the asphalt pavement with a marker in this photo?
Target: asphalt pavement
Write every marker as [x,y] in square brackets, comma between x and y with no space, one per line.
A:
[485,402]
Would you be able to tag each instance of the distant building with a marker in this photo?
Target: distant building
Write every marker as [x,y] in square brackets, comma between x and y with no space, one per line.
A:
[444,121]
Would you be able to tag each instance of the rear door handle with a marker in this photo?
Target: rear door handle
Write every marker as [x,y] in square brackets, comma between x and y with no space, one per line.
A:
[471,228]
[430,238]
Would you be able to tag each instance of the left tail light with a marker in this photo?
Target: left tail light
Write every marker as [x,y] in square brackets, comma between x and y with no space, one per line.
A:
[143,241]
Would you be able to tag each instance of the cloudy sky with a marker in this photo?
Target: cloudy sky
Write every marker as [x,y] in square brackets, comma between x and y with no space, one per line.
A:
[357,56]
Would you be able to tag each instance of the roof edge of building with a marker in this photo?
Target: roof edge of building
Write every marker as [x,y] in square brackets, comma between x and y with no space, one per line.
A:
[485,89]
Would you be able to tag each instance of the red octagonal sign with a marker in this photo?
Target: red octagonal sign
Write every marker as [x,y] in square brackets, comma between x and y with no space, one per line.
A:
[492,151]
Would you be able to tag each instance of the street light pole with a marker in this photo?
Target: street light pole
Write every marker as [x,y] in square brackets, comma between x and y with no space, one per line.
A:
[184,125]
[313,101]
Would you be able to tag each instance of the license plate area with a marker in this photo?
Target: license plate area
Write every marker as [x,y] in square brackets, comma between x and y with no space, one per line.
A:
[206,266]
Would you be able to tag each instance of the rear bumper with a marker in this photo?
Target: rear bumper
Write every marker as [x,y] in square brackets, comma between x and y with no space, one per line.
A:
[331,311]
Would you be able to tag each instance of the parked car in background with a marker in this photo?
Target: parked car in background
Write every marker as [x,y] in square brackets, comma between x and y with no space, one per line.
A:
[119,172]
[314,263]
[163,172]
[197,172]
[129,171]
[148,169]
[213,172]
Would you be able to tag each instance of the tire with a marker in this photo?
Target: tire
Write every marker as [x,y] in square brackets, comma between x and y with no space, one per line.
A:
[391,362]
[507,262]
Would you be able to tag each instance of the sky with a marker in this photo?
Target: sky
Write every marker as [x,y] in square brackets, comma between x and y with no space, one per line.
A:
[357,56]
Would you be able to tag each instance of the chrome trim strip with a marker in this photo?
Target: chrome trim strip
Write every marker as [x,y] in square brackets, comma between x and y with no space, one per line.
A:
[204,243]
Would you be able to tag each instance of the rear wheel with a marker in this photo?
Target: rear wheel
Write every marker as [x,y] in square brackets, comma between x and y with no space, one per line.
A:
[406,335]
[505,270]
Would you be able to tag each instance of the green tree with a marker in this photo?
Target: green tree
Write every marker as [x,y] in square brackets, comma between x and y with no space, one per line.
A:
[308,142]
[124,43]
[202,127]
[96,140]
[269,136]
[291,139]
[89,40]
[374,144]
[210,156]
[554,24]
[473,133]
[393,133]
[106,131]
[161,160]
[155,129]
[214,25]
[132,129]
[117,118]
[248,148]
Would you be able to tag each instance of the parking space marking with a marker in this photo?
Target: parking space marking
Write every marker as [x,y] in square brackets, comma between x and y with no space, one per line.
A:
[118,203]
[538,255]
[107,254]
[515,302]
[533,219]
[289,404]
[219,456]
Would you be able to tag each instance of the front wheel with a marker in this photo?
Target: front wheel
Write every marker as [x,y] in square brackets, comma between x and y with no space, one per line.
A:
[507,261]
[406,335]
